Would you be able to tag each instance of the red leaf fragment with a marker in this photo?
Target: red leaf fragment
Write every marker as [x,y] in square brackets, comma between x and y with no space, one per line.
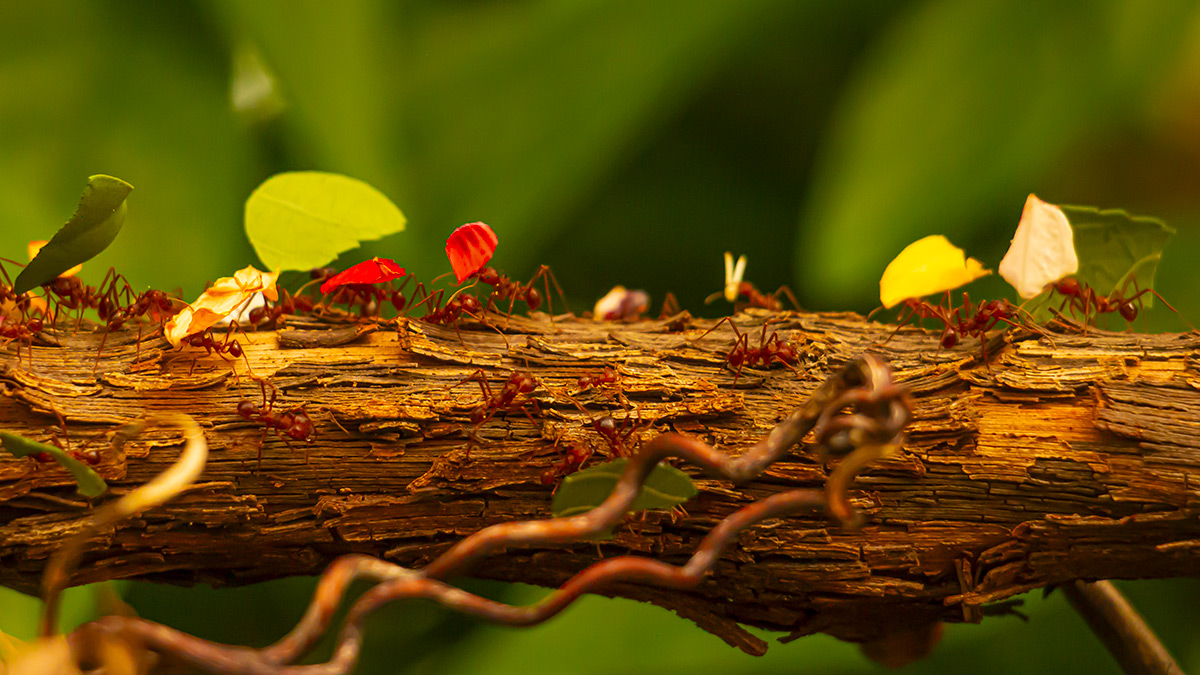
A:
[373,271]
[469,247]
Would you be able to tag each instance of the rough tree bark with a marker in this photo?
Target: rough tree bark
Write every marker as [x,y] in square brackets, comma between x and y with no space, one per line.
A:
[1067,457]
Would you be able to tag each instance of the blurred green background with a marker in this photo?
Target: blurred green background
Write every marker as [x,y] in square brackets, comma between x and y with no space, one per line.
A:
[625,142]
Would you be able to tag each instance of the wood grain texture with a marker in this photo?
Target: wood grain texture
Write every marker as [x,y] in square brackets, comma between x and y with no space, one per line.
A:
[1067,457]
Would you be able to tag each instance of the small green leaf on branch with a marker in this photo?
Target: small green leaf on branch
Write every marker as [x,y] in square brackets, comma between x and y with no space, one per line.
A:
[90,484]
[303,220]
[666,487]
[96,222]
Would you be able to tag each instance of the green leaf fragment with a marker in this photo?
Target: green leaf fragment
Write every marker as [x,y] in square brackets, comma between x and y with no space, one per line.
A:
[305,219]
[90,484]
[96,222]
[1114,247]
[666,487]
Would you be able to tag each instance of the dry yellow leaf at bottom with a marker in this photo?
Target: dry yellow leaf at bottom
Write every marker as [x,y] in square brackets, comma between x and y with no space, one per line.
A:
[927,266]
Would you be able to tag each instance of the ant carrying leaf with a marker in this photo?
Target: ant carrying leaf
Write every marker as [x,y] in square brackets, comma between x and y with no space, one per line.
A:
[736,288]
[226,296]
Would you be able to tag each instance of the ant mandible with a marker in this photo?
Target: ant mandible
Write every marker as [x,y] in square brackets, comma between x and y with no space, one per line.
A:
[294,423]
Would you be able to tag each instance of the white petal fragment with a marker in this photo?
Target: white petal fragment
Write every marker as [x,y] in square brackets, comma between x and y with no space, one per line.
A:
[1042,251]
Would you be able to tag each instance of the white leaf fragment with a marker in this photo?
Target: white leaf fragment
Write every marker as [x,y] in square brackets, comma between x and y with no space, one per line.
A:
[1042,250]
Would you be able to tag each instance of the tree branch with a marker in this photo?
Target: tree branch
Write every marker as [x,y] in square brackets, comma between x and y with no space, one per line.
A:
[1075,459]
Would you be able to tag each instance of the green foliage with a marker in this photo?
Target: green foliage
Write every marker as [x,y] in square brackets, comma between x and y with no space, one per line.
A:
[305,219]
[666,487]
[958,112]
[94,225]
[90,484]
[1114,247]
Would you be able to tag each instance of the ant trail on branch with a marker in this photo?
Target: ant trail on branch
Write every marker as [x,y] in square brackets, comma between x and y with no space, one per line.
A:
[294,423]
[874,428]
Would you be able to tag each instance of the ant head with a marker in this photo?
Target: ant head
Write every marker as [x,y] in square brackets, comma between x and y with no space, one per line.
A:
[489,276]
[525,383]
[949,339]
[1128,310]
[605,426]
[470,303]
[478,413]
[247,409]
[35,325]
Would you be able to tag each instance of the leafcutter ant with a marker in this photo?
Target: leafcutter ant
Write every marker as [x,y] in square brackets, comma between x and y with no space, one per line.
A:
[518,383]
[736,288]
[770,350]
[1084,299]
[504,288]
[293,424]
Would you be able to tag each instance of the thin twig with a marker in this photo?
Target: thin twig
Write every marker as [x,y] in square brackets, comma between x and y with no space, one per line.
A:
[160,489]
[1122,630]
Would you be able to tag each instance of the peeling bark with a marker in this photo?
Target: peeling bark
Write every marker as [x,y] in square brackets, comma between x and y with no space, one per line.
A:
[1067,457]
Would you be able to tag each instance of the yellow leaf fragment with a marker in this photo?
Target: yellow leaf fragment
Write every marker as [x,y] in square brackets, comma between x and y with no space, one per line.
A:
[1042,250]
[927,266]
[221,299]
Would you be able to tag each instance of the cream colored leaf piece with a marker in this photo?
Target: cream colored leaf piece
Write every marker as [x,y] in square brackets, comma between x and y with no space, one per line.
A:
[927,266]
[1042,250]
[224,297]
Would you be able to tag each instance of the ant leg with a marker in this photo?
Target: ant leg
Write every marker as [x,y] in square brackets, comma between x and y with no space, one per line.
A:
[670,306]
[545,273]
[744,342]
[787,293]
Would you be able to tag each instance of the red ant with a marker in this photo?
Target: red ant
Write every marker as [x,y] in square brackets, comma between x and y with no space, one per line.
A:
[109,309]
[1085,299]
[63,442]
[965,321]
[962,322]
[294,424]
[287,304]
[504,288]
[735,288]
[21,331]
[517,383]
[572,459]
[623,438]
[770,350]
[206,340]
[605,377]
